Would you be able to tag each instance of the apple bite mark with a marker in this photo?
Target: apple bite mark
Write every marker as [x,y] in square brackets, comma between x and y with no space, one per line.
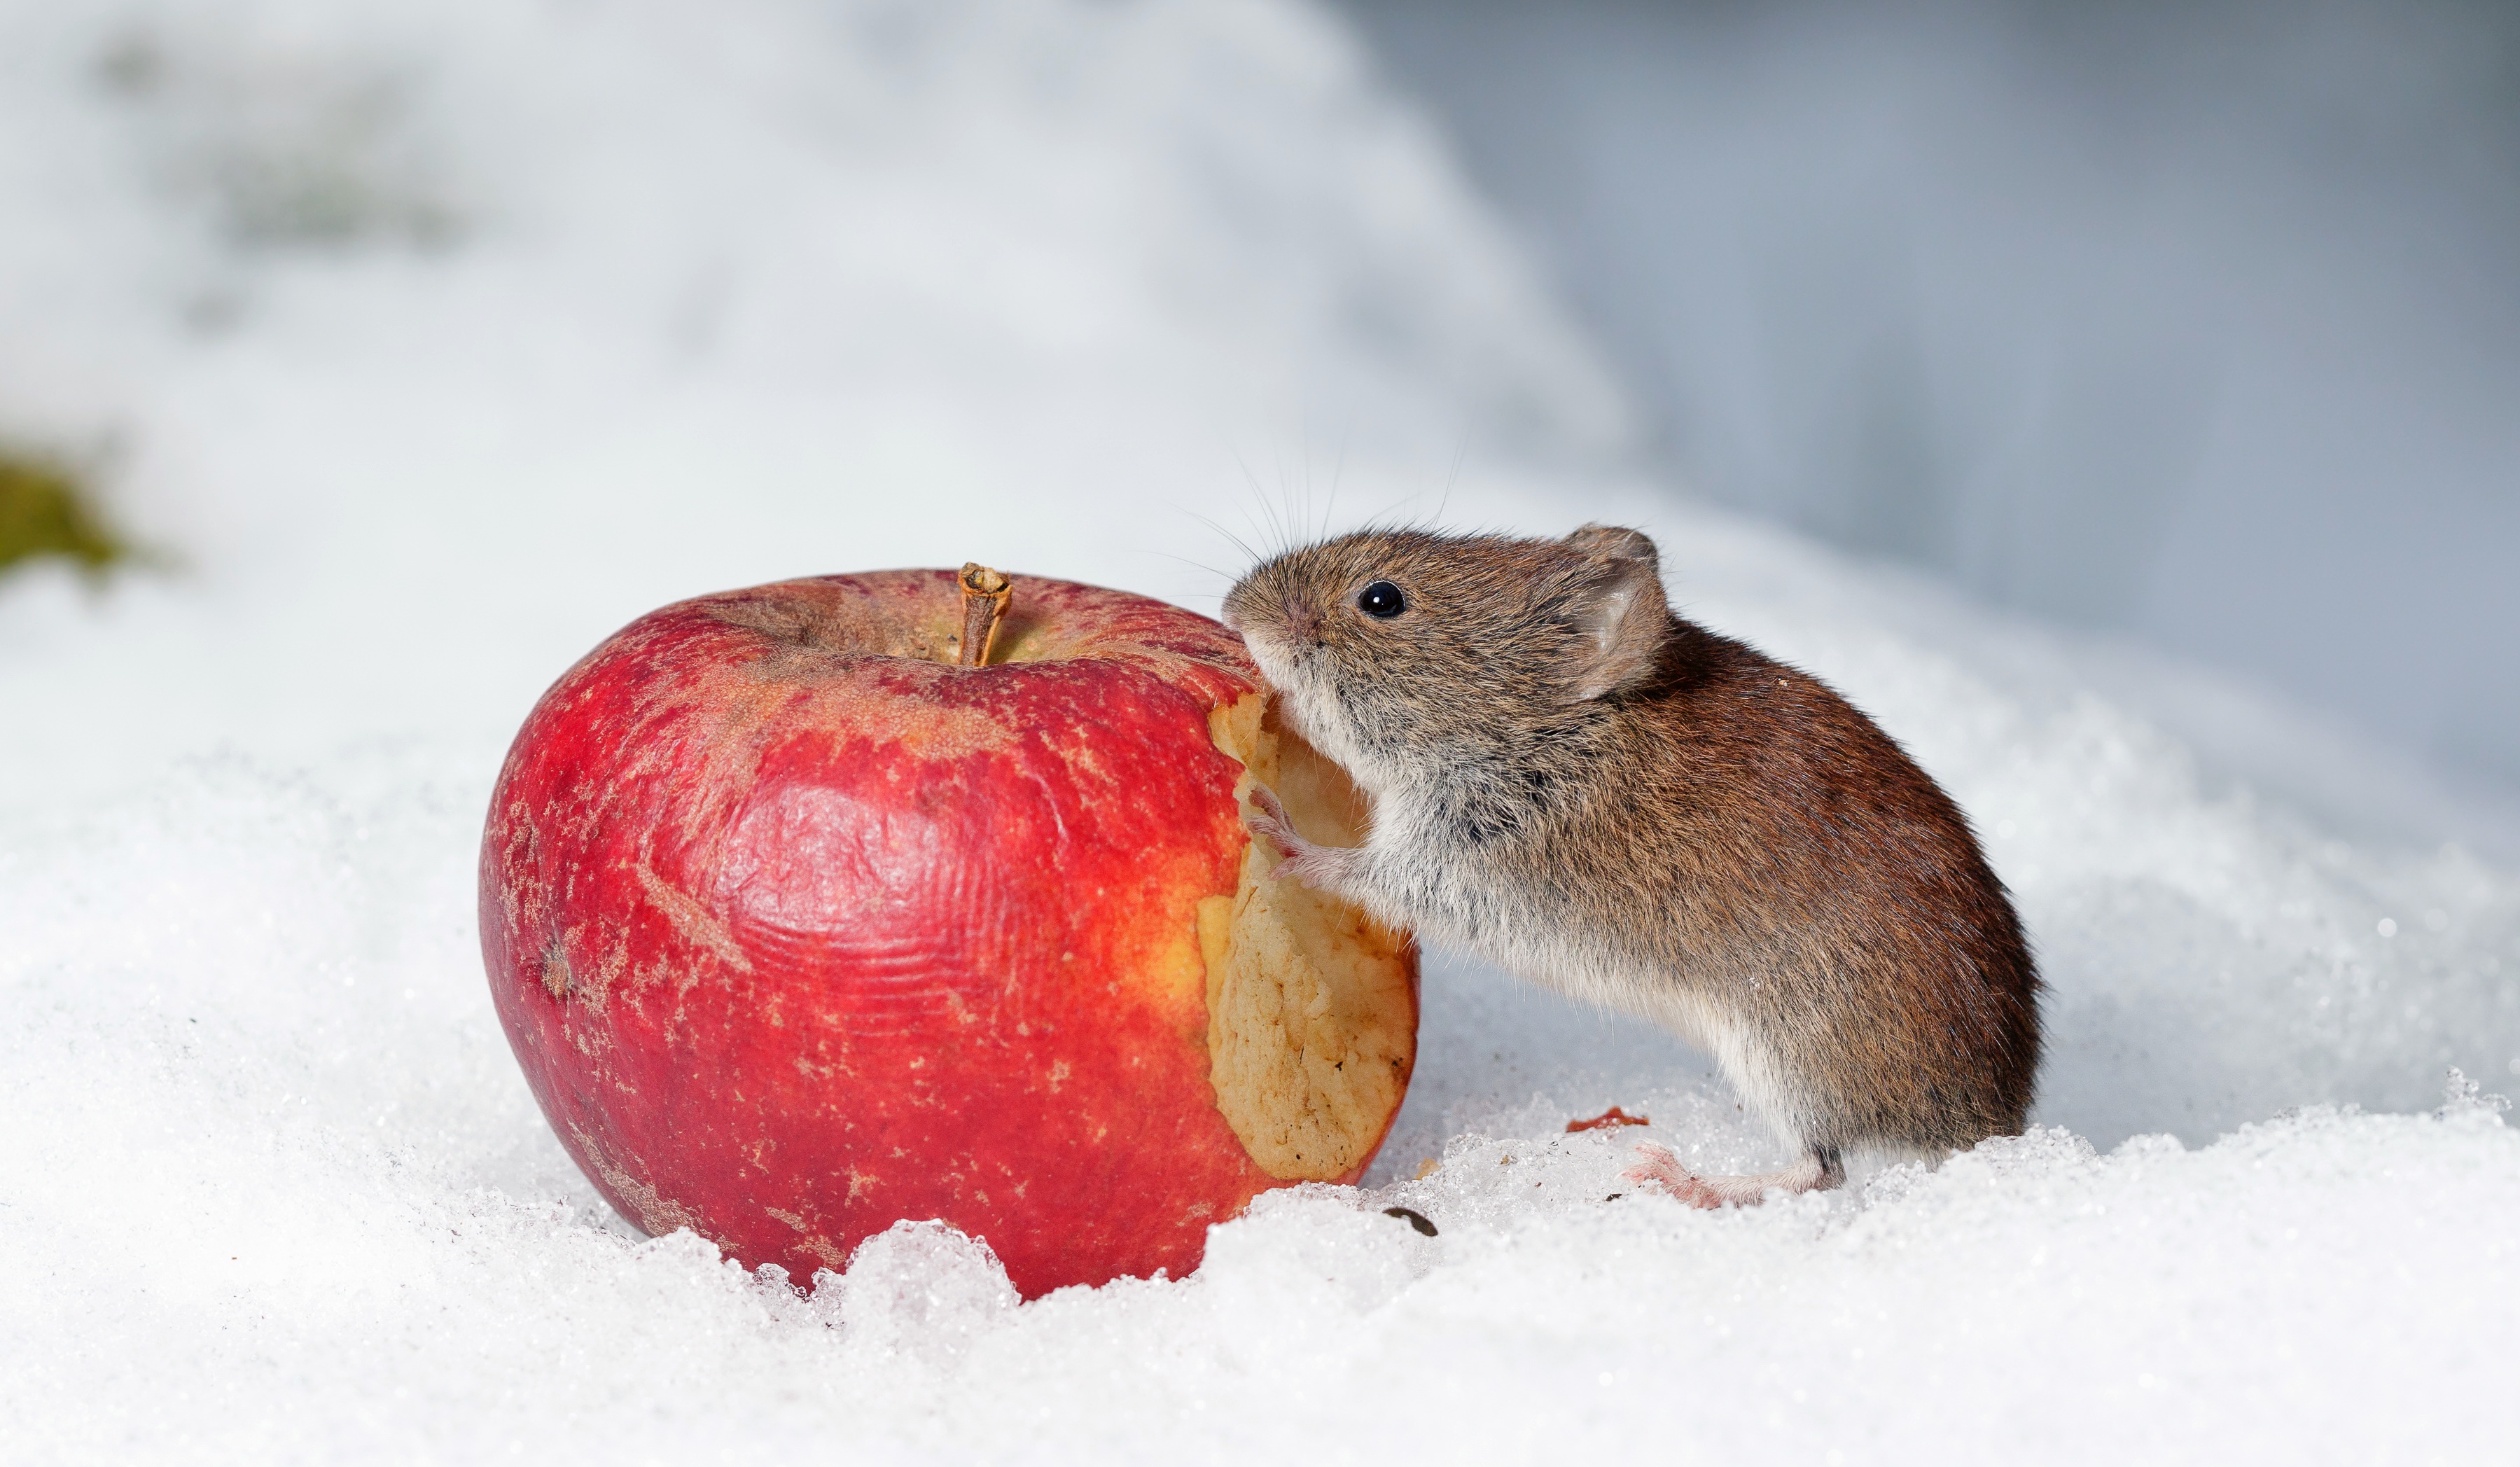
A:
[1312,1005]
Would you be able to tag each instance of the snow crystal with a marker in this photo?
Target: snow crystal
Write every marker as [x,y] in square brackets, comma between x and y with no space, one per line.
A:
[430,342]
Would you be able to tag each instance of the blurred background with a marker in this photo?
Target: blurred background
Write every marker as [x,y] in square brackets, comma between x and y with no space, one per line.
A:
[2190,333]
[2195,323]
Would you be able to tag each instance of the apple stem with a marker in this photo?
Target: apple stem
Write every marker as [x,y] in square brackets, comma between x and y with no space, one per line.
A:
[985,594]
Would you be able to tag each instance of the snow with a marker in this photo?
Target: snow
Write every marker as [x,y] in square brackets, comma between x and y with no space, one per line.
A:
[432,342]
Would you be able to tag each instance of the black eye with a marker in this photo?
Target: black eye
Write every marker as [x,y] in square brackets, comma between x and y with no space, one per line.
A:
[1381,599]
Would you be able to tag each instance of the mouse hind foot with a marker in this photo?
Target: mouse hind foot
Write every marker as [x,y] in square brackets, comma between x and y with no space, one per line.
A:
[1657,1167]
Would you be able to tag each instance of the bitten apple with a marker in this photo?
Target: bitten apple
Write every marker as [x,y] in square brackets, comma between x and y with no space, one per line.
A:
[799,928]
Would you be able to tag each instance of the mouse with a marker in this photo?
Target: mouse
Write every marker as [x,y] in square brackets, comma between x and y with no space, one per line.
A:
[1568,780]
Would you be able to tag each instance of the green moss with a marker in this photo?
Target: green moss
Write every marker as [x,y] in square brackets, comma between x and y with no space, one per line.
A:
[45,511]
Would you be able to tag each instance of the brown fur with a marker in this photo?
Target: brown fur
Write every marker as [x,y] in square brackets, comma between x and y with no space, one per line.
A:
[1573,782]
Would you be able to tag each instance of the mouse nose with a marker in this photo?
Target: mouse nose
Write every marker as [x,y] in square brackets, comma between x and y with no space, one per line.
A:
[1301,624]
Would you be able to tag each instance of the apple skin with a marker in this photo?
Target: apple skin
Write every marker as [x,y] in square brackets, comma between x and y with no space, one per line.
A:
[798,930]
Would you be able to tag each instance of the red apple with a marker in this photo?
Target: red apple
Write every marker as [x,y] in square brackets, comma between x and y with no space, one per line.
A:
[799,929]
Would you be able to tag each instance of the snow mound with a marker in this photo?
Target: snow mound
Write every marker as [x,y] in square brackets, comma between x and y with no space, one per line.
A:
[437,341]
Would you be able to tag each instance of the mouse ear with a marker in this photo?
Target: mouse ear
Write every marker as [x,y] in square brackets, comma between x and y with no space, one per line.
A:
[1617,604]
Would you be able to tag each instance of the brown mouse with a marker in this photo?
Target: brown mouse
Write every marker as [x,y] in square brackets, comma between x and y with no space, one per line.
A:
[1573,782]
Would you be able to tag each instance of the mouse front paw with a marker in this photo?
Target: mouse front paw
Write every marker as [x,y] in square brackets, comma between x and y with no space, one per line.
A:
[1267,819]
[1316,867]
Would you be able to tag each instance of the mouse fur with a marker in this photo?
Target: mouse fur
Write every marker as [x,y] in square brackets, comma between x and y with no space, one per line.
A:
[1594,793]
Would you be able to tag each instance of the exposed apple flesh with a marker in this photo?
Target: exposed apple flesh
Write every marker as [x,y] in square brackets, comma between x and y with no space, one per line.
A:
[798,929]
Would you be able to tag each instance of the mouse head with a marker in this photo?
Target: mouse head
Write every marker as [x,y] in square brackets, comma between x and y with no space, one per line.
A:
[1390,648]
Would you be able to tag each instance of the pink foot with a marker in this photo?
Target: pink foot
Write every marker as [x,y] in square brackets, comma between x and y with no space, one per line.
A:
[1658,1168]
[1268,821]
[1319,868]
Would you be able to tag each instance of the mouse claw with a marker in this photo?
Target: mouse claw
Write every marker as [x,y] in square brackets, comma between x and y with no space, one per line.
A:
[1658,1168]
[1321,867]
[1270,822]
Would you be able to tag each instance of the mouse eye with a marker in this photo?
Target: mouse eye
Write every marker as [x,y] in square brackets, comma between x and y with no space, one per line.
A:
[1382,600]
